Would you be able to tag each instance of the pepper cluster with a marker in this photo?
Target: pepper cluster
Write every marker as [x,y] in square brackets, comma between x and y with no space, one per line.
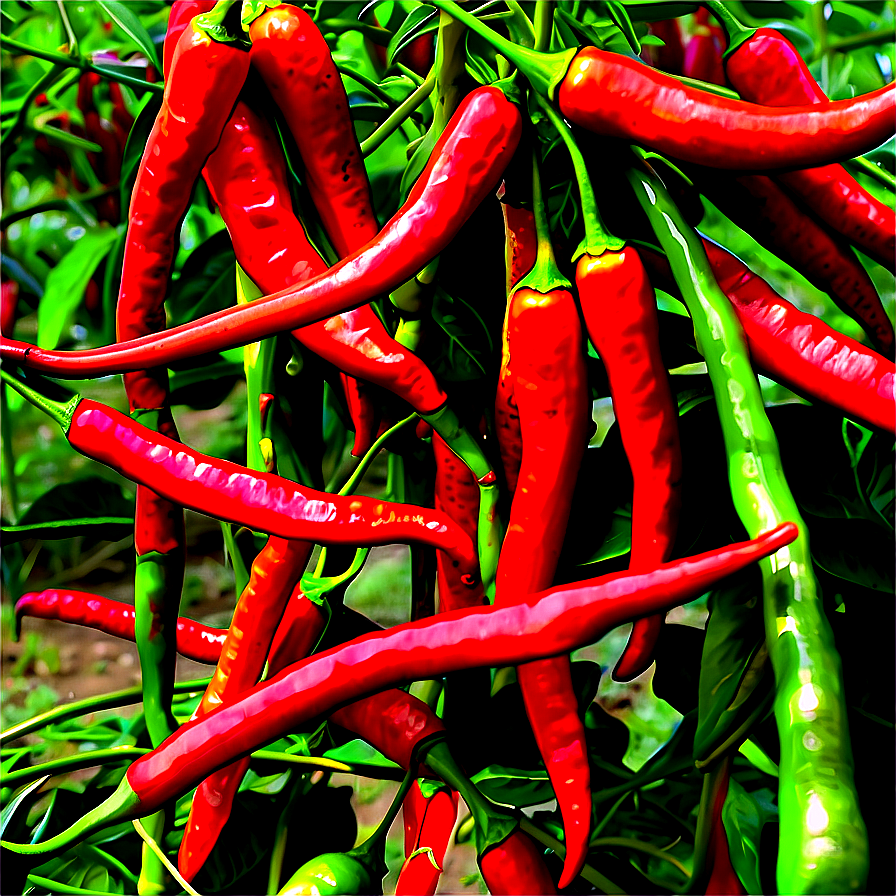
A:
[495,497]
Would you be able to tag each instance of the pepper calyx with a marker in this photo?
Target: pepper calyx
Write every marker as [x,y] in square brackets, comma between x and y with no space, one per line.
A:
[61,412]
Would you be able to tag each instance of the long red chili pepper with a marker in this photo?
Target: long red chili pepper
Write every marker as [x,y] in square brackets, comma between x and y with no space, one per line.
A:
[516,866]
[465,165]
[428,823]
[766,68]
[616,96]
[550,623]
[768,213]
[619,306]
[798,349]
[227,491]
[194,640]
[544,343]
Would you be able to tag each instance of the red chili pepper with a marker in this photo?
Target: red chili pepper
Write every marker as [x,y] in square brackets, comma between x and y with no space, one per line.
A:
[182,13]
[428,824]
[516,866]
[465,164]
[723,878]
[798,349]
[300,628]
[766,68]
[669,57]
[248,179]
[619,306]
[195,641]
[9,298]
[457,495]
[767,213]
[548,378]
[122,120]
[227,491]
[703,54]
[550,623]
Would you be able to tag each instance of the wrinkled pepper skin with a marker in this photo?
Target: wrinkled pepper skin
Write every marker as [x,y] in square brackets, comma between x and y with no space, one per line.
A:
[762,208]
[465,165]
[768,69]
[247,176]
[428,824]
[195,641]
[261,501]
[619,97]
[619,307]
[553,622]
[516,866]
[295,63]
[798,349]
[550,382]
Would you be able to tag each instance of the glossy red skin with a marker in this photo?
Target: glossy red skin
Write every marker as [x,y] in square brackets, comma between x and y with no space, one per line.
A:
[194,640]
[723,879]
[427,823]
[798,349]
[768,69]
[294,60]
[301,626]
[544,342]
[817,252]
[553,622]
[619,307]
[620,97]
[520,251]
[465,165]
[182,13]
[516,866]
[247,176]
[703,54]
[261,501]
[457,496]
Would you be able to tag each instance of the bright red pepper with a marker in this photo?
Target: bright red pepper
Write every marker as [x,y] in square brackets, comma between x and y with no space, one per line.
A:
[9,298]
[467,161]
[619,306]
[516,866]
[703,54]
[550,623]
[195,641]
[428,824]
[766,68]
[723,879]
[798,349]
[762,208]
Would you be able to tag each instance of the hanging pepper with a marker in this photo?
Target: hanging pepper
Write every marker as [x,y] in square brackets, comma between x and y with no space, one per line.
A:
[195,641]
[798,349]
[823,843]
[670,56]
[516,866]
[762,208]
[550,623]
[616,96]
[428,824]
[227,491]
[703,54]
[764,67]
[544,345]
[467,161]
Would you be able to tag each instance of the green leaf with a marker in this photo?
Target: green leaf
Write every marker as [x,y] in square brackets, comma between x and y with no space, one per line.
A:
[422,20]
[133,27]
[514,787]
[66,284]
[359,752]
[21,795]
[744,815]
[110,528]
[136,145]
[856,550]
[618,540]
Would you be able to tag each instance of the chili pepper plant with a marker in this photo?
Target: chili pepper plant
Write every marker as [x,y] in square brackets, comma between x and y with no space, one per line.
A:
[519,376]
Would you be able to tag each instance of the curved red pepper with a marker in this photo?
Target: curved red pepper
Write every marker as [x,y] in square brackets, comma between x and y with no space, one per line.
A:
[195,641]
[428,824]
[768,69]
[464,167]
[619,306]
[516,866]
[553,622]
[703,54]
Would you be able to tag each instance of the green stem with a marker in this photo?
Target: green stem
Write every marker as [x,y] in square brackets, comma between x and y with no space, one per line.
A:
[71,763]
[39,87]
[372,452]
[401,114]
[708,87]
[544,71]
[371,85]
[409,73]
[544,25]
[9,464]
[597,238]
[61,413]
[881,175]
[545,276]
[737,32]
[80,62]
[72,37]
[112,700]
[639,846]
[519,26]
[375,840]
[855,41]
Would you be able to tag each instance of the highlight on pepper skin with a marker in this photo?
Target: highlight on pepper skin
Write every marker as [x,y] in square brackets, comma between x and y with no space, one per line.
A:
[504,430]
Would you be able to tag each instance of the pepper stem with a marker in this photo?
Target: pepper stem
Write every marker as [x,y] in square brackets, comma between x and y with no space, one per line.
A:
[597,238]
[544,25]
[545,276]
[61,412]
[123,805]
[737,32]
[493,825]
[544,71]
